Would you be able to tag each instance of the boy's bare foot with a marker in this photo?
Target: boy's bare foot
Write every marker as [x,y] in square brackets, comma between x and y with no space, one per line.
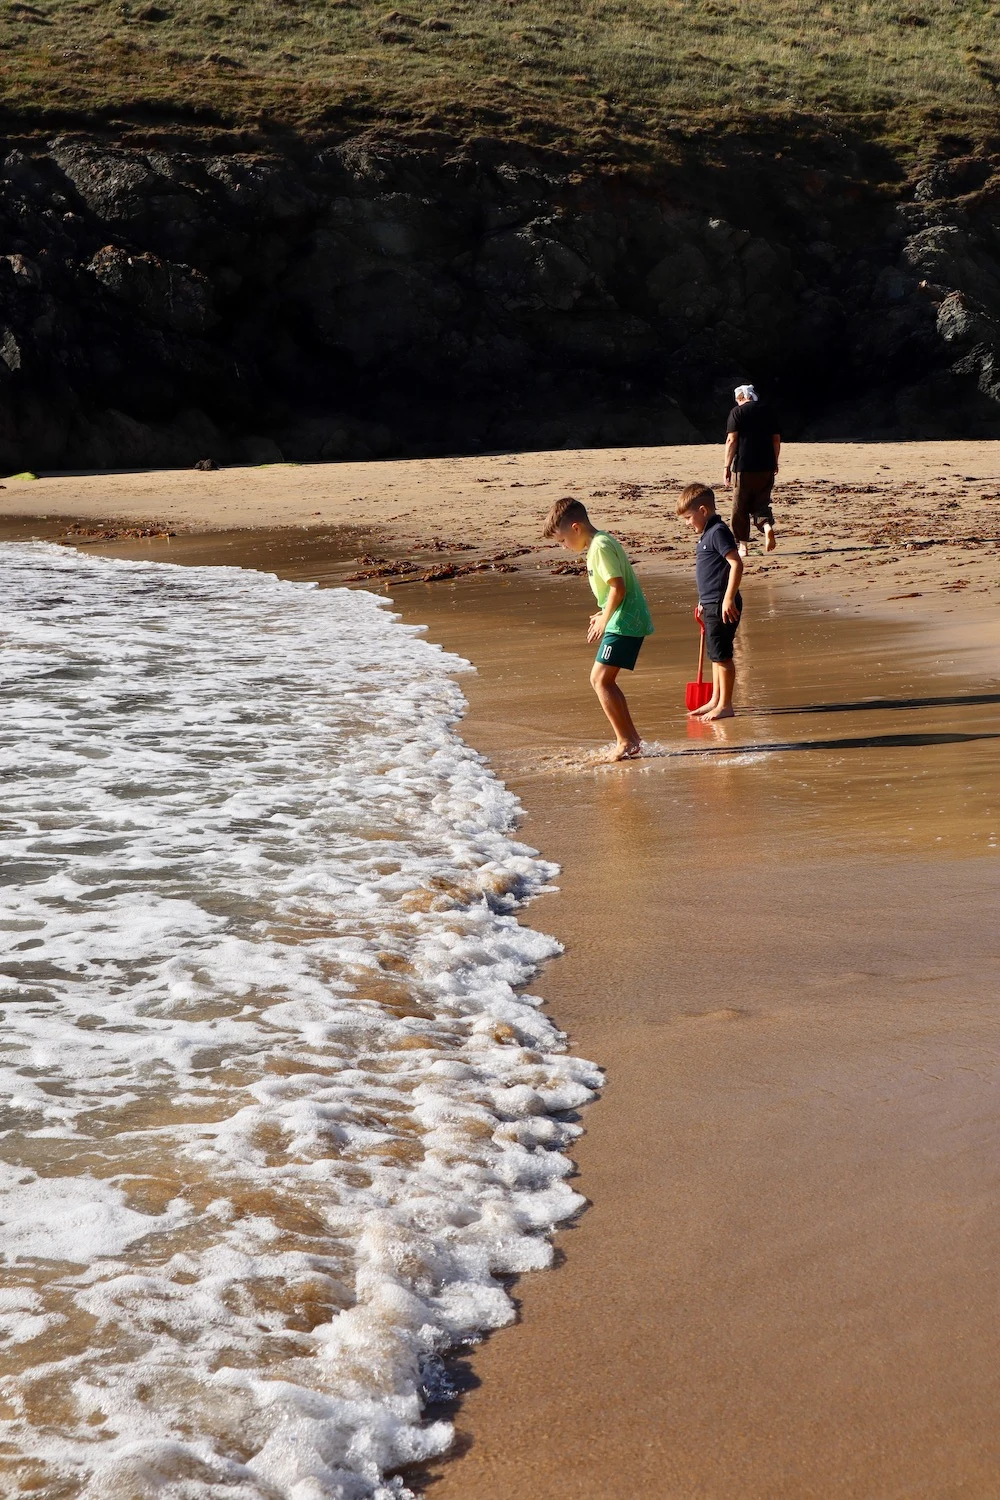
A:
[770,540]
[742,548]
[630,750]
[720,713]
[706,708]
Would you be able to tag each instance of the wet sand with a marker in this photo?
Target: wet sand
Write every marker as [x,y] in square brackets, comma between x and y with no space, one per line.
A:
[786,1283]
[785,959]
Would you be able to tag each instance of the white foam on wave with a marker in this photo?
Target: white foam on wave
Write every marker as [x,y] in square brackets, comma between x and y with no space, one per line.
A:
[274,1111]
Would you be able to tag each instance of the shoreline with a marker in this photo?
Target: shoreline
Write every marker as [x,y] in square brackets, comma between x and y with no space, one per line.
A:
[897,531]
[783,1294]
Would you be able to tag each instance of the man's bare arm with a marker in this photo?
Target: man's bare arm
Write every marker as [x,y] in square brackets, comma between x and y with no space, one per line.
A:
[732,438]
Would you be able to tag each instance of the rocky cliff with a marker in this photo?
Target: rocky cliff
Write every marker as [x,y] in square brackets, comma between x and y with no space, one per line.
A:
[163,303]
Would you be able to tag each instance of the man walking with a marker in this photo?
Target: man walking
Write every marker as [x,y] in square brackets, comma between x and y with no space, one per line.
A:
[753,442]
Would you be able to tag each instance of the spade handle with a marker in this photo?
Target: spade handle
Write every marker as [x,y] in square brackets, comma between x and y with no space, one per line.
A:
[701,648]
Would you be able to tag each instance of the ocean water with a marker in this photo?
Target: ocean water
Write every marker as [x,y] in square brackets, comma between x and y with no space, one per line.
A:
[275,1113]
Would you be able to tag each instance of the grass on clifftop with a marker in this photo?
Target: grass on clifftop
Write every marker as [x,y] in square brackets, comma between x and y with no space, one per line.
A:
[581,73]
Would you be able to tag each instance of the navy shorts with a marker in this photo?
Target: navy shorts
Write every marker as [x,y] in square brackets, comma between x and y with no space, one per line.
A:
[619,650]
[719,636]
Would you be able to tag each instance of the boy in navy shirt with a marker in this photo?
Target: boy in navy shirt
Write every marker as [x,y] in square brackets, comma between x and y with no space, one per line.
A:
[718,570]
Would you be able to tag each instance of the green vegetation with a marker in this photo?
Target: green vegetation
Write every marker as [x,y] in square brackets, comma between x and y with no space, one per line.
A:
[578,72]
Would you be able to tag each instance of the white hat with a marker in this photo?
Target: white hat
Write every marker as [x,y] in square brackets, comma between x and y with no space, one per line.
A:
[746,391]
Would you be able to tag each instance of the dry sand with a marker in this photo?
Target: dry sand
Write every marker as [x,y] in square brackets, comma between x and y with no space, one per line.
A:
[780,944]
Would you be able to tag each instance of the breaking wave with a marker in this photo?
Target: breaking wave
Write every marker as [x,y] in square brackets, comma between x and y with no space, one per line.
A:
[274,1111]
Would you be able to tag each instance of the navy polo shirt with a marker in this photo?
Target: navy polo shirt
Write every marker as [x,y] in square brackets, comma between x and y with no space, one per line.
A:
[710,567]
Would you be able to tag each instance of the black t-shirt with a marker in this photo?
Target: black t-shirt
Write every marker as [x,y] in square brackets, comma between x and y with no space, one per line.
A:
[756,422]
[711,570]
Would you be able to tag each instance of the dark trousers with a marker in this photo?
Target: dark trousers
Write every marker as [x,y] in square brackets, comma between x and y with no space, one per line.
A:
[751,500]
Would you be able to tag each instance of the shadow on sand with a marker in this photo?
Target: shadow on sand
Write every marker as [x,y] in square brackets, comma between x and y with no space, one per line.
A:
[965,700]
[854,742]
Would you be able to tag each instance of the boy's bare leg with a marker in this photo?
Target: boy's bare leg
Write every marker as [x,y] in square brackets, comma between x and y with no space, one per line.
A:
[612,700]
[727,681]
[770,541]
[713,702]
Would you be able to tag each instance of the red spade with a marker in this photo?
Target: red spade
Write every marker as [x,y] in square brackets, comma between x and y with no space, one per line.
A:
[698,693]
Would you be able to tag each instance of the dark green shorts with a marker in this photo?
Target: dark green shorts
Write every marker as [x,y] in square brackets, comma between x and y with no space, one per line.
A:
[619,650]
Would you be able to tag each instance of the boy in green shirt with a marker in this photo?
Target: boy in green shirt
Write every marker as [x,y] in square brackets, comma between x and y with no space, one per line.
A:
[622,621]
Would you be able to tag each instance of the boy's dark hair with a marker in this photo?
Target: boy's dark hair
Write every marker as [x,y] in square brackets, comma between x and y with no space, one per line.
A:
[563,513]
[695,495]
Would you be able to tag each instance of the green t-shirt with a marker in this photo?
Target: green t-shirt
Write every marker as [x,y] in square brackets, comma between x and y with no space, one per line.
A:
[606,560]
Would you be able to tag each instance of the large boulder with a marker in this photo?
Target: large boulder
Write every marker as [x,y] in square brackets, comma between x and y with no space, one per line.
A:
[265,187]
[173,296]
[526,271]
[144,194]
[962,321]
[949,256]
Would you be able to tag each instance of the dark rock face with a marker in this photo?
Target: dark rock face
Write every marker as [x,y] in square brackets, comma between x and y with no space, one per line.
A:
[161,306]
[158,291]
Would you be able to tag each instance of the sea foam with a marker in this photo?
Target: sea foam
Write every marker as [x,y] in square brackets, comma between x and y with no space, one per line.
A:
[275,1113]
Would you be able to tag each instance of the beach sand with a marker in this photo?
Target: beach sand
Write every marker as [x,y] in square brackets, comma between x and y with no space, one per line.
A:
[872,523]
[779,943]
